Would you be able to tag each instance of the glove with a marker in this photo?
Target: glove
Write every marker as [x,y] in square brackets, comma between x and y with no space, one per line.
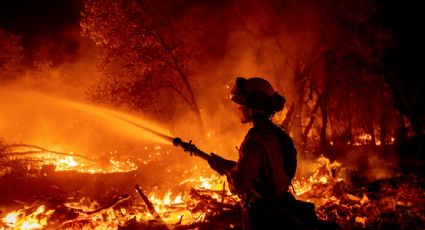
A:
[219,164]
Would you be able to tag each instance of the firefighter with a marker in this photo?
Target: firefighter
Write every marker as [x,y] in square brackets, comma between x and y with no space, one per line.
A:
[267,159]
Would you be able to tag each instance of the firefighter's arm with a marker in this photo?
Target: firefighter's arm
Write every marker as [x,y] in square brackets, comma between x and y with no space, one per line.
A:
[219,164]
[242,176]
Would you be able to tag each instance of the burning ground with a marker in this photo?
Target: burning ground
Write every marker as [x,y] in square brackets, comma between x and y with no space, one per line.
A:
[62,192]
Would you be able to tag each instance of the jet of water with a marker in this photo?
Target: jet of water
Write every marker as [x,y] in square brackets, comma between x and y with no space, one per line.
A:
[17,106]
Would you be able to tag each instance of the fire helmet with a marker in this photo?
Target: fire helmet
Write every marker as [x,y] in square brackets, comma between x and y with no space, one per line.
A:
[257,94]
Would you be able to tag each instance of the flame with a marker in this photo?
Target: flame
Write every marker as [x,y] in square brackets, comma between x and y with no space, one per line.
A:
[173,207]
[366,138]
[35,220]
[177,200]
[322,174]
[68,161]
[176,208]
[71,163]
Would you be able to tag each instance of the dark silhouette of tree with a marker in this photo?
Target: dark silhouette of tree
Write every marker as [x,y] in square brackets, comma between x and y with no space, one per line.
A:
[145,62]
[335,52]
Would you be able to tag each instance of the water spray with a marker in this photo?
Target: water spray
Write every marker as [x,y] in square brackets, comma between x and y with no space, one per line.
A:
[164,136]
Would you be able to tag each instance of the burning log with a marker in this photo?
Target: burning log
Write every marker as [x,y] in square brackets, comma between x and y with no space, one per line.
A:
[353,198]
[149,204]
[115,202]
[209,201]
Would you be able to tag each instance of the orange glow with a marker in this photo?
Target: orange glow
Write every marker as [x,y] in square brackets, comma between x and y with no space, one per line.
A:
[62,124]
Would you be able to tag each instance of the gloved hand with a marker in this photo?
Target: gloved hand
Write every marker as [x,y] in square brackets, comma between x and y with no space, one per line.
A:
[219,164]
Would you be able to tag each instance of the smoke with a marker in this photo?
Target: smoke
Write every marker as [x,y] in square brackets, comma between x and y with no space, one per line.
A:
[228,39]
[367,164]
[249,38]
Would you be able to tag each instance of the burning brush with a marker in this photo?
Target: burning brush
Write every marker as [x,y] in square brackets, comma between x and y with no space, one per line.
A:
[209,203]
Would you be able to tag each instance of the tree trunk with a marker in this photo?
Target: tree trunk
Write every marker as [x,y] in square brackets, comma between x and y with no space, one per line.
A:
[300,80]
[384,120]
[349,120]
[324,110]
[312,118]
[402,132]
[299,83]
[288,119]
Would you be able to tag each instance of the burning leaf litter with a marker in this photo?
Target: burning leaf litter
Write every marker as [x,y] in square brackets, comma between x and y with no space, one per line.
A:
[208,203]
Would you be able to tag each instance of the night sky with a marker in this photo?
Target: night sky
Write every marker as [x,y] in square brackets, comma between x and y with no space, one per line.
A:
[29,17]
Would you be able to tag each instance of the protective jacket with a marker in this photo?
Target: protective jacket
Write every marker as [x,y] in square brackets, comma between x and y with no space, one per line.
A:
[262,176]
[267,162]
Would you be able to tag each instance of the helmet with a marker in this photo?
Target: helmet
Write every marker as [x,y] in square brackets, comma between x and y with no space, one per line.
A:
[257,94]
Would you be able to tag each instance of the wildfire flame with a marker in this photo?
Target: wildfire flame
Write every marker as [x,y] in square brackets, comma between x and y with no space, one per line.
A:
[75,163]
[173,207]
[322,174]
[70,163]
[21,220]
